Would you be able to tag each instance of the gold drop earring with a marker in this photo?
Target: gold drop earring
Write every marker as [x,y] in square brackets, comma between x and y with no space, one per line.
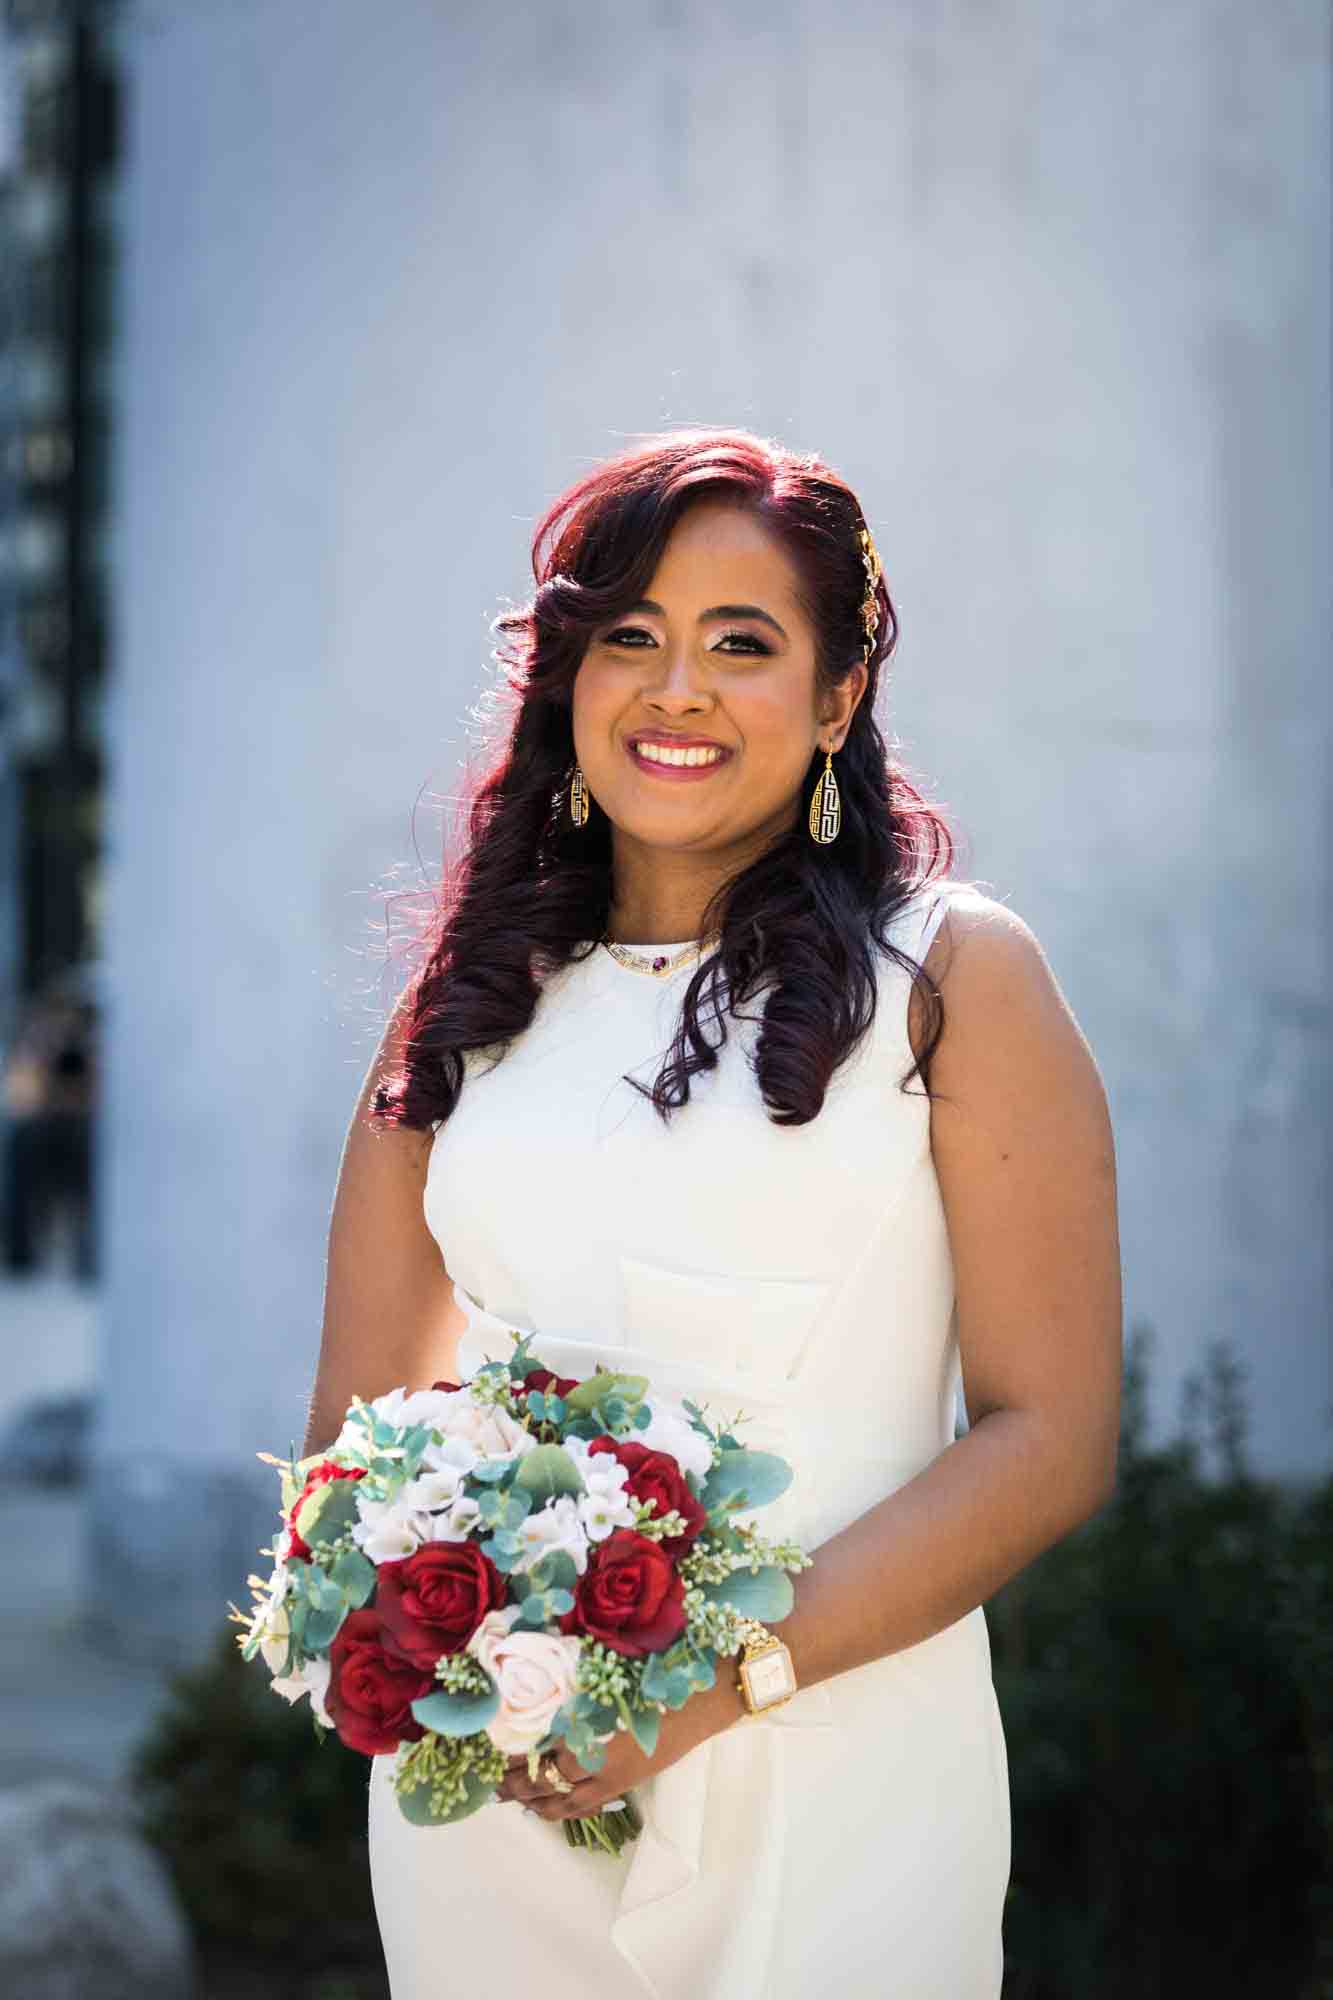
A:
[825,804]
[578,797]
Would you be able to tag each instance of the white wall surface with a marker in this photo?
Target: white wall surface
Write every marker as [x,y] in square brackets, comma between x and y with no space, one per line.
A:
[1049,283]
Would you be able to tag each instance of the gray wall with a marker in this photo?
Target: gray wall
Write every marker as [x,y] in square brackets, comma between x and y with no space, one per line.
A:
[1050,285]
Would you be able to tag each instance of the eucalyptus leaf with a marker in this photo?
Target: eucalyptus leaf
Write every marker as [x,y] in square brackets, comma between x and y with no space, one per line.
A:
[547,1471]
[355,1574]
[764,1593]
[702,1670]
[750,1477]
[491,1470]
[560,1601]
[502,1548]
[328,1513]
[587,1394]
[645,1722]
[595,1715]
[454,1714]
[655,1678]
[557,1568]
[321,1628]
[415,1801]
[517,1506]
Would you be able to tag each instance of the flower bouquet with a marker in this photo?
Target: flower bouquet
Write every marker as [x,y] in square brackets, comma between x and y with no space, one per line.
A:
[481,1570]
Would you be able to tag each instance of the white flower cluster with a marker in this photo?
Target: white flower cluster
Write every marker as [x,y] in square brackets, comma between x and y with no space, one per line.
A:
[312,1677]
[433,1507]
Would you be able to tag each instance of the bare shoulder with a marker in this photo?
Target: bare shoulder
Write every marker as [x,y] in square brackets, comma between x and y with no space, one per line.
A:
[999,990]
[1021,1137]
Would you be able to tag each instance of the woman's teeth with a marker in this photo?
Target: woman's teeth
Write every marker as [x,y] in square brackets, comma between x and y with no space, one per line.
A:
[657,753]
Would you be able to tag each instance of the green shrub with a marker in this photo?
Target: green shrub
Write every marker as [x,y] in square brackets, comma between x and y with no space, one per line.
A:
[264,1829]
[1164,1678]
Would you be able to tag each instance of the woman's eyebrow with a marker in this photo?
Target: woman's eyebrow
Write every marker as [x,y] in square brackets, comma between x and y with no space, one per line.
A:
[717,611]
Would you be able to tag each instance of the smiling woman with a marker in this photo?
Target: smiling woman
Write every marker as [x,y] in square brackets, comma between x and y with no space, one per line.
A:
[648,1096]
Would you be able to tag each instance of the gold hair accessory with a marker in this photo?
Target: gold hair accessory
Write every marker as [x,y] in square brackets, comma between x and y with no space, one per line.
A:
[550,1771]
[874,569]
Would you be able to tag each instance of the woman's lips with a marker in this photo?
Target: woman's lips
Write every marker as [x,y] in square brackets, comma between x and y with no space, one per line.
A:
[678,773]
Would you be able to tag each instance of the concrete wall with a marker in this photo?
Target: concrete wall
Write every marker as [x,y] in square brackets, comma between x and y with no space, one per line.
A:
[1049,283]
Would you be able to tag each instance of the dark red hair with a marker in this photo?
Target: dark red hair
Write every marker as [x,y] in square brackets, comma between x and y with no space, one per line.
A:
[528,890]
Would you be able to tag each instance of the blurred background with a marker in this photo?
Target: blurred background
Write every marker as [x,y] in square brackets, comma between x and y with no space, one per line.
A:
[307,312]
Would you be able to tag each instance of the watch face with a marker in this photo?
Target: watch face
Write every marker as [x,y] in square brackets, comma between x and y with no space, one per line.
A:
[770,1677]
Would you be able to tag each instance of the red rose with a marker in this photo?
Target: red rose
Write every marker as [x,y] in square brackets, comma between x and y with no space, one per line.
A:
[371,1690]
[631,1596]
[318,1475]
[446,1385]
[432,1601]
[656,1475]
[549,1382]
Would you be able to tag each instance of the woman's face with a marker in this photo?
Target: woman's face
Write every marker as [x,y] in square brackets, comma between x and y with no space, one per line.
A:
[717,660]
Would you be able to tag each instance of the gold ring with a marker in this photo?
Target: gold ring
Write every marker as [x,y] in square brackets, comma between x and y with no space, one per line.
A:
[554,1776]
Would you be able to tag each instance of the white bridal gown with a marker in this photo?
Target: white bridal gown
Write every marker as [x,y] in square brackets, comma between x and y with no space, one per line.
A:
[854,1843]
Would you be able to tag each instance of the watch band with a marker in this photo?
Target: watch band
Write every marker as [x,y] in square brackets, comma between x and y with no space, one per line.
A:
[765,1675]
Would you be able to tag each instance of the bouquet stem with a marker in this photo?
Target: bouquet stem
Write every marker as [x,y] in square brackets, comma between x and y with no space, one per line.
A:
[609,1831]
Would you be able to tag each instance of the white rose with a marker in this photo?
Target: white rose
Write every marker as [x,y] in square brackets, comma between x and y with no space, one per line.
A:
[534,1672]
[493,1432]
[671,1430]
[455,1456]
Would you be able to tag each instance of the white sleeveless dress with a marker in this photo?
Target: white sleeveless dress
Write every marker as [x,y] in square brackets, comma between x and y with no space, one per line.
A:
[857,1841]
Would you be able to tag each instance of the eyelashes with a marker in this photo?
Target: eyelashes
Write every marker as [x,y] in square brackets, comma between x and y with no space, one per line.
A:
[622,632]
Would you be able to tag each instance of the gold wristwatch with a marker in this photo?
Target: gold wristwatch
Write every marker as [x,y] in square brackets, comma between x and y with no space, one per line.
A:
[765,1676]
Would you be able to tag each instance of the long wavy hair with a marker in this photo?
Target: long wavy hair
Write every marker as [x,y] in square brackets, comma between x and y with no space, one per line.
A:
[528,892]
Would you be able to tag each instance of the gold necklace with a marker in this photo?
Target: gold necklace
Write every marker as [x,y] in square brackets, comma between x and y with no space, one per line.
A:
[661,963]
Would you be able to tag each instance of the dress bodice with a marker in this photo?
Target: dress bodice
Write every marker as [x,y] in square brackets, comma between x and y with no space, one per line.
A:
[800,1273]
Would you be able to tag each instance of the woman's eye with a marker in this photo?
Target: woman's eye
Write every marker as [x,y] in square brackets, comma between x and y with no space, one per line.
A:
[625,633]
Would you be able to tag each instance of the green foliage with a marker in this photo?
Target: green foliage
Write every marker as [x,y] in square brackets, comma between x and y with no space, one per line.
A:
[457,1714]
[546,1472]
[746,1479]
[1165,1677]
[760,1593]
[262,1826]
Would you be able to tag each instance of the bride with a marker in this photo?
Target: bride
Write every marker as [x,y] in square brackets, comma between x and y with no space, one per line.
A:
[710,1066]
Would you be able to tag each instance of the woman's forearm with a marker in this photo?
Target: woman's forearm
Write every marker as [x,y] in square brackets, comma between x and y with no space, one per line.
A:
[928,1553]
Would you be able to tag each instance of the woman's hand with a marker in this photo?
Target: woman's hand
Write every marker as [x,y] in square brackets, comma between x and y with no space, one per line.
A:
[681,1730]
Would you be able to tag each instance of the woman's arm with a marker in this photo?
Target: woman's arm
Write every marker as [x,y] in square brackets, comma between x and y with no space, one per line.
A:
[389,1314]
[1025,1157]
